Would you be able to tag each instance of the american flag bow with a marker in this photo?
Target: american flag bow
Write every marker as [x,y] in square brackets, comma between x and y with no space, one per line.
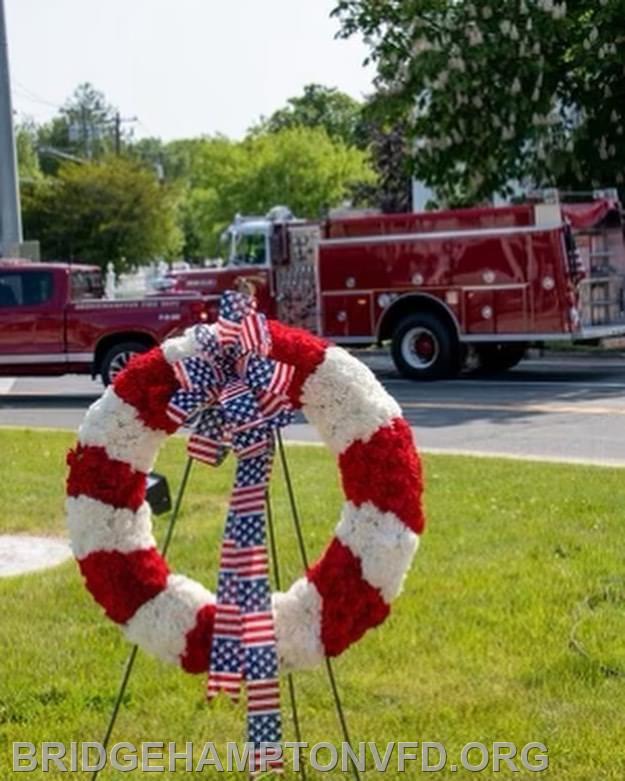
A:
[235,396]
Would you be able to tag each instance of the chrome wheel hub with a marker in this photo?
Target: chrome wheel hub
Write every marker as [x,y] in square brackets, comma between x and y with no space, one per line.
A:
[420,348]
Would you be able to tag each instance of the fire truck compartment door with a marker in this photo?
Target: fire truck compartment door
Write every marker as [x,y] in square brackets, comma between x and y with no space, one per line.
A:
[347,315]
[496,310]
[511,310]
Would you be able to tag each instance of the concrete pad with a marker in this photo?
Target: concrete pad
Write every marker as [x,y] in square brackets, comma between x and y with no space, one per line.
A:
[22,553]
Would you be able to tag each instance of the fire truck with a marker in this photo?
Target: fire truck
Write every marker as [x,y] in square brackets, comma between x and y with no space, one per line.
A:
[441,287]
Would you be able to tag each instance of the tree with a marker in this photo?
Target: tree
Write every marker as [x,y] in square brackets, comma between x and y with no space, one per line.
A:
[356,124]
[390,152]
[319,106]
[301,167]
[84,128]
[27,159]
[207,170]
[149,150]
[110,210]
[501,91]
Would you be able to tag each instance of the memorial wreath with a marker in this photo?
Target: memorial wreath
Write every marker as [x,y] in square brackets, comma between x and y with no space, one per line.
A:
[235,382]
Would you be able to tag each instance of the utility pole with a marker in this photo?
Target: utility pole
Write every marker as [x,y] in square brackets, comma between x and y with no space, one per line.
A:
[118,133]
[10,214]
[87,133]
[117,122]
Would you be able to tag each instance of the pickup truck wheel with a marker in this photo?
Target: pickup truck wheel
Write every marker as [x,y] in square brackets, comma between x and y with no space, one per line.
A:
[424,348]
[499,357]
[116,358]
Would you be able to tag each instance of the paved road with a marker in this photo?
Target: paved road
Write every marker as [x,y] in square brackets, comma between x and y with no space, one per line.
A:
[562,408]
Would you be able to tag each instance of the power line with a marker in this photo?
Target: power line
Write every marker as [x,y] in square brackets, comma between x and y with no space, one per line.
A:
[150,133]
[19,96]
[28,94]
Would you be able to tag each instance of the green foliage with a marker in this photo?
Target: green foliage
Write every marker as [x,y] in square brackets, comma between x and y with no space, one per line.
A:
[356,124]
[498,91]
[319,106]
[27,158]
[152,153]
[110,210]
[301,167]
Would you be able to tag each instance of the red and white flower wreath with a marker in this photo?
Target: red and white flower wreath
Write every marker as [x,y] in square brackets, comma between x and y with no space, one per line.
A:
[346,592]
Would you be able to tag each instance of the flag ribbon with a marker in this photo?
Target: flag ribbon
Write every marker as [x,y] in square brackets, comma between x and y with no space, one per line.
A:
[235,396]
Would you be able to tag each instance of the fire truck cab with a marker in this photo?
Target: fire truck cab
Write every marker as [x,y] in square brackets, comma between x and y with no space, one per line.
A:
[438,286]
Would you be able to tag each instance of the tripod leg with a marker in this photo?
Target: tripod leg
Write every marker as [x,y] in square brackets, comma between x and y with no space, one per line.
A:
[123,685]
[277,580]
[302,547]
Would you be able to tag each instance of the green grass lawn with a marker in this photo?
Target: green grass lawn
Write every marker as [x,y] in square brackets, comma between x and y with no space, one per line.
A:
[476,649]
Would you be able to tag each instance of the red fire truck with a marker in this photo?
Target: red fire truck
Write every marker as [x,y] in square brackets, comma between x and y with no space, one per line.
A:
[439,286]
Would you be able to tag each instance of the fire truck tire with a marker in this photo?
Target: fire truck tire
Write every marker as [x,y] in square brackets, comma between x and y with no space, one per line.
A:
[499,357]
[116,358]
[423,347]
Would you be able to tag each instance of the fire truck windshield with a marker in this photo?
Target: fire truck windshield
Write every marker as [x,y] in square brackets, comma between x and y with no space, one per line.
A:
[246,249]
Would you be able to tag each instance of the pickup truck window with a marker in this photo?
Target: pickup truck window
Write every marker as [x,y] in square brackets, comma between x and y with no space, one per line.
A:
[86,284]
[25,288]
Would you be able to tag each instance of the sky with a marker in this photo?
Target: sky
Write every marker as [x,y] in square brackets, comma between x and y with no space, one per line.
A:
[182,67]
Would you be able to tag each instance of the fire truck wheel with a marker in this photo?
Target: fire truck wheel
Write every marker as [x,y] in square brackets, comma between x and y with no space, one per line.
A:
[500,357]
[423,348]
[117,357]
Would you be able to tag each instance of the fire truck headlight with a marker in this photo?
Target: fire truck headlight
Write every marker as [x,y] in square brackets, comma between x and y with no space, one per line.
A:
[548,283]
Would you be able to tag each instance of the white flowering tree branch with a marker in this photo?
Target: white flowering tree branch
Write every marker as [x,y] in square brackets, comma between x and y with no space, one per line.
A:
[498,91]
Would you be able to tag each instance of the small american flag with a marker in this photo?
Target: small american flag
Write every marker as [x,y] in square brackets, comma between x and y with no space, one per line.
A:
[263,695]
[233,308]
[257,627]
[235,389]
[255,335]
[209,451]
[248,499]
[280,379]
[184,404]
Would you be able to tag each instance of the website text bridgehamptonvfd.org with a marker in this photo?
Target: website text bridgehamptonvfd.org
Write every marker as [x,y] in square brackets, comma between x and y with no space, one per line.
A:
[169,757]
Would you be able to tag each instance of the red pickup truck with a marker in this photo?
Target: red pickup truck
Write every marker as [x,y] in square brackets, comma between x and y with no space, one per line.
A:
[53,321]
